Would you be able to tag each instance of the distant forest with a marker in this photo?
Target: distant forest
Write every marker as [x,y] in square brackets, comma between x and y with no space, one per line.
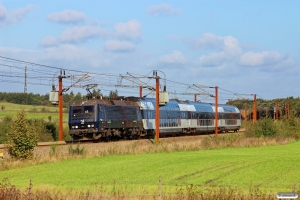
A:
[43,100]
[36,99]
[270,105]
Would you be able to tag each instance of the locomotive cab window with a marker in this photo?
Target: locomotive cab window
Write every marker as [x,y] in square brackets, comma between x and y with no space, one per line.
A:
[82,111]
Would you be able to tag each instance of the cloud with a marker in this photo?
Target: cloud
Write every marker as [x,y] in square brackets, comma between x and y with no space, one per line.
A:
[176,57]
[228,50]
[48,41]
[130,30]
[67,16]
[80,34]
[116,45]
[13,16]
[205,41]
[265,58]
[162,10]
[120,38]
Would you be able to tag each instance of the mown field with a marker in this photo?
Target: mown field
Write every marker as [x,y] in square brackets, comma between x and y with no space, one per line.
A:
[270,168]
[39,112]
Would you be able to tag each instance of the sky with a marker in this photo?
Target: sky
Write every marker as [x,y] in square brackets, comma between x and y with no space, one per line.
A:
[245,47]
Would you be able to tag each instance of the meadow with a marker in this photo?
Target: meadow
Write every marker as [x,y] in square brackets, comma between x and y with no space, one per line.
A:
[32,112]
[271,169]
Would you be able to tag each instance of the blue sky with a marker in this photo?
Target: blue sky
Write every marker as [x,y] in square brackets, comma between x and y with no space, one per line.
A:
[247,47]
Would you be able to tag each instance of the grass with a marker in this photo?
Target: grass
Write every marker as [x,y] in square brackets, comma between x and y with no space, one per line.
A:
[270,168]
[12,110]
[18,107]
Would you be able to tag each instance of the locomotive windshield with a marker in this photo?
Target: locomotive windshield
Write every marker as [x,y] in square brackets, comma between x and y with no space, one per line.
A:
[82,111]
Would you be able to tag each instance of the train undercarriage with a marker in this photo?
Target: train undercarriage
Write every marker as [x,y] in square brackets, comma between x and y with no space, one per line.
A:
[109,134]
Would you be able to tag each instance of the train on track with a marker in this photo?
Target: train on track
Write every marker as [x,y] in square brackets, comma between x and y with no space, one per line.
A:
[134,117]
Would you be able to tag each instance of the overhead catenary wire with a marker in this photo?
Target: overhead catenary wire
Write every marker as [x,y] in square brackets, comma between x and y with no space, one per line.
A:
[47,75]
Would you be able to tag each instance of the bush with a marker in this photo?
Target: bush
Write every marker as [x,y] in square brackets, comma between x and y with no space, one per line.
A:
[22,138]
[265,127]
[5,127]
[268,127]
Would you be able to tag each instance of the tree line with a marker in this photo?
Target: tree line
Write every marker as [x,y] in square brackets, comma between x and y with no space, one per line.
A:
[43,100]
[270,105]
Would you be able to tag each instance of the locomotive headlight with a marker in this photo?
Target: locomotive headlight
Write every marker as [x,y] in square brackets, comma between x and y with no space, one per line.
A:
[89,126]
[92,125]
[76,126]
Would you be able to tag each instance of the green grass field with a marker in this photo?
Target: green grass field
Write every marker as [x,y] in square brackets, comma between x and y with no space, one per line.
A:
[12,110]
[274,168]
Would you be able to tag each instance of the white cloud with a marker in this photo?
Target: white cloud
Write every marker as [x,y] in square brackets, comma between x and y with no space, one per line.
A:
[162,10]
[80,34]
[120,37]
[67,16]
[231,46]
[176,57]
[261,58]
[48,41]
[228,50]
[116,45]
[13,16]
[130,30]
[206,41]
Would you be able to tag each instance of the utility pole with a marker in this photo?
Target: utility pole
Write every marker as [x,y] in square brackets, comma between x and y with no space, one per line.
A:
[60,106]
[254,109]
[246,116]
[276,113]
[141,91]
[216,112]
[60,98]
[195,97]
[25,81]
[157,109]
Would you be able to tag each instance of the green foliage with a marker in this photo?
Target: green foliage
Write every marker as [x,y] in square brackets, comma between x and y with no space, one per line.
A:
[22,138]
[113,94]
[77,151]
[45,131]
[5,126]
[268,127]
[2,107]
[268,105]
[67,136]
[264,127]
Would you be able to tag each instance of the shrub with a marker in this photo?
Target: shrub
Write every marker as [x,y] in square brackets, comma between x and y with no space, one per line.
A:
[265,127]
[268,127]
[22,138]
[5,126]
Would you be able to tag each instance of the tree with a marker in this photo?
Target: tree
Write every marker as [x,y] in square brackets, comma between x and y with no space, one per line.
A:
[78,96]
[21,138]
[2,107]
[113,94]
